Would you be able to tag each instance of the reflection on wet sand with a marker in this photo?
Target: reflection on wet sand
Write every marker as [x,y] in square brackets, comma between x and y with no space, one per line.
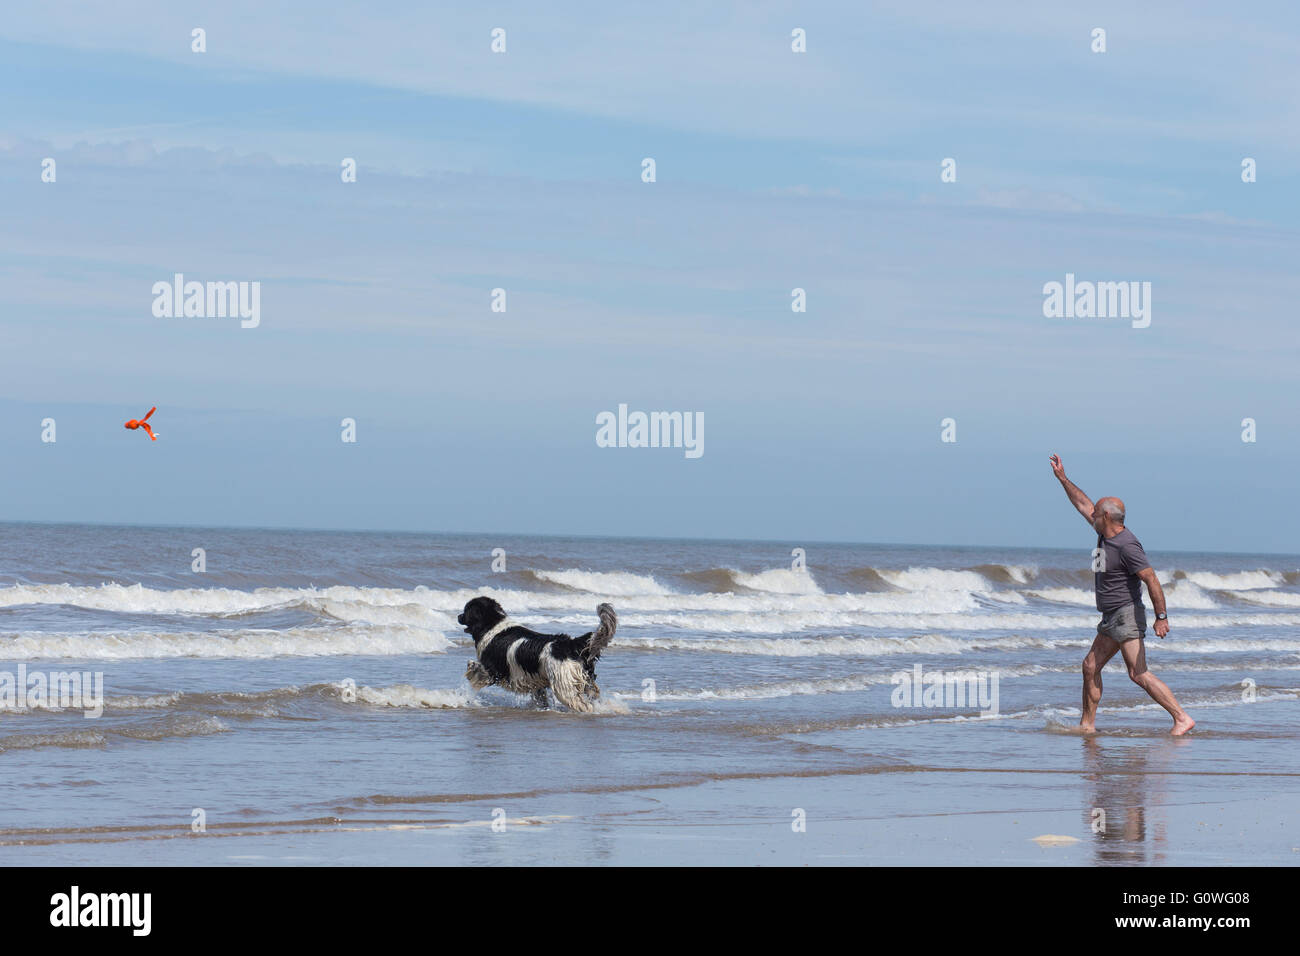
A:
[1130,788]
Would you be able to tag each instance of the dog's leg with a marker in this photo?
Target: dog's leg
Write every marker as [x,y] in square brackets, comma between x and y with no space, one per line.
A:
[566,678]
[540,698]
[574,702]
[568,687]
[477,675]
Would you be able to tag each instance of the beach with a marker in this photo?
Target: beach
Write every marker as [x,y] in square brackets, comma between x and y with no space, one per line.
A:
[301,701]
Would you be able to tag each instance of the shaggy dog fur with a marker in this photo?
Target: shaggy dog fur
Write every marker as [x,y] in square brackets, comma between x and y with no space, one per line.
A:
[528,662]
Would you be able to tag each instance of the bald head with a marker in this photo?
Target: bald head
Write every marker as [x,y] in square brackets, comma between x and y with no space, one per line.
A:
[1108,515]
[1113,508]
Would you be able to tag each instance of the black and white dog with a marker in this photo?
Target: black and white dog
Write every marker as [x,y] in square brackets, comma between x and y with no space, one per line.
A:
[527,662]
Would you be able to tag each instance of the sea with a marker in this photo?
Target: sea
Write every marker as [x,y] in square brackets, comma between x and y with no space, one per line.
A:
[204,696]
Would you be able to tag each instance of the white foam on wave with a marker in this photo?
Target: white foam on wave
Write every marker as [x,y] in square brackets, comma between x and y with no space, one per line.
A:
[457,698]
[407,695]
[136,702]
[410,614]
[931,644]
[1270,598]
[937,579]
[779,590]
[834,685]
[136,598]
[544,610]
[293,642]
[173,725]
[1077,596]
[1236,581]
[606,583]
[793,622]
[344,602]
[1229,699]
[1180,594]
[1197,645]
[778,581]
[797,688]
[401,621]
[1003,597]
[837,646]
[1021,573]
[1185,595]
[1232,700]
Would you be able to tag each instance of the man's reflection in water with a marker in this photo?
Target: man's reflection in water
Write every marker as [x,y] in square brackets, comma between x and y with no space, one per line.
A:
[1130,788]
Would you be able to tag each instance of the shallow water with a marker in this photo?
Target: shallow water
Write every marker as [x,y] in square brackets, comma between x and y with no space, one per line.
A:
[306,693]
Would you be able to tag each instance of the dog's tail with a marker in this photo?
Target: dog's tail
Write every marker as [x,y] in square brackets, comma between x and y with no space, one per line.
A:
[601,637]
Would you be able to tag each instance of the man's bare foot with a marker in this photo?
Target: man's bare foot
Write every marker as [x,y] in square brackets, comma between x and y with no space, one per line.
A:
[1087,728]
[1182,725]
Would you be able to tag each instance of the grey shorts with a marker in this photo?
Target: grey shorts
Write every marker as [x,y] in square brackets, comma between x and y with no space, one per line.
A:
[1124,623]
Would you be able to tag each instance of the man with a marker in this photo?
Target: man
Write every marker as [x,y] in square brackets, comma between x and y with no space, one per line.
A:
[1119,565]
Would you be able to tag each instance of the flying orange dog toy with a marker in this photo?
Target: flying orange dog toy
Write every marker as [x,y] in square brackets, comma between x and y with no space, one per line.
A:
[144,423]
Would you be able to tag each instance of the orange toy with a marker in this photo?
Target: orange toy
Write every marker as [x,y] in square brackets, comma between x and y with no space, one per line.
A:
[144,423]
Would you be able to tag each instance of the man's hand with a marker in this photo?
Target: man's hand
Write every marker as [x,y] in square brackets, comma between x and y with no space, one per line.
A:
[1057,468]
[1152,581]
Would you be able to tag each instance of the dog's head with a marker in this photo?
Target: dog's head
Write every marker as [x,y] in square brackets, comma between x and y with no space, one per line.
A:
[480,616]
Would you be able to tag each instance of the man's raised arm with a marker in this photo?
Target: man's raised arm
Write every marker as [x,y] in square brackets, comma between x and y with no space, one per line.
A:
[1075,494]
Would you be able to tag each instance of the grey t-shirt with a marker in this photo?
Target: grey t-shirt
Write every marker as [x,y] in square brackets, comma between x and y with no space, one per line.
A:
[1119,584]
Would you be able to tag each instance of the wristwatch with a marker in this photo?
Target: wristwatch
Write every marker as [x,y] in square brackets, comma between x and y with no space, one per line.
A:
[1162,617]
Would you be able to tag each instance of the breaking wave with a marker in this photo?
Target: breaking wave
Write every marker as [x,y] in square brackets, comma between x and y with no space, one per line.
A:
[605,583]
[294,642]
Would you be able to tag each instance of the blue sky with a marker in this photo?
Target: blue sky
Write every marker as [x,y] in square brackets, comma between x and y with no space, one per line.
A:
[775,170]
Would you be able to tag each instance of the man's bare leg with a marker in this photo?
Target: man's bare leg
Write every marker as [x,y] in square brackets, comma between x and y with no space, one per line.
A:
[1103,649]
[1135,656]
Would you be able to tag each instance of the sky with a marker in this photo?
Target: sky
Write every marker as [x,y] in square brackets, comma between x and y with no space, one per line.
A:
[775,171]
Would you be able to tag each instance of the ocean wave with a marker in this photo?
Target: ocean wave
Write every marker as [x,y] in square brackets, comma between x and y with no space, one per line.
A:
[407,695]
[420,620]
[1198,645]
[163,728]
[936,579]
[838,646]
[460,698]
[869,578]
[841,646]
[996,598]
[436,610]
[1228,698]
[1185,595]
[710,580]
[228,703]
[794,621]
[1236,581]
[294,642]
[778,581]
[1050,714]
[347,604]
[1268,598]
[796,688]
[1006,573]
[179,725]
[604,583]
[1181,595]
[146,702]
[67,738]
[724,581]
[364,612]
